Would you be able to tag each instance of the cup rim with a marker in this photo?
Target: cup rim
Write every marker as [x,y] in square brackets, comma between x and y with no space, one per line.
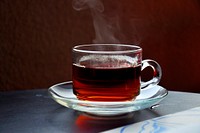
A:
[133,49]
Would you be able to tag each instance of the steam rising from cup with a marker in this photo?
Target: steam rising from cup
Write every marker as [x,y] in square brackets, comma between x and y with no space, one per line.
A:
[105,28]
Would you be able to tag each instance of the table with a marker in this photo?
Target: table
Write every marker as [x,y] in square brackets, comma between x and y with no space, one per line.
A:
[33,111]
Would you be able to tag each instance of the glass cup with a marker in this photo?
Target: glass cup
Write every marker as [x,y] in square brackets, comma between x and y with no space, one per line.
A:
[110,72]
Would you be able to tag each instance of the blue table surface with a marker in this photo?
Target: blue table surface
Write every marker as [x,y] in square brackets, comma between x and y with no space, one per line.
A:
[34,111]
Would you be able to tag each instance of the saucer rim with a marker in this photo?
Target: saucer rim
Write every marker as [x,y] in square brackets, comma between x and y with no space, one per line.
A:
[120,102]
[92,107]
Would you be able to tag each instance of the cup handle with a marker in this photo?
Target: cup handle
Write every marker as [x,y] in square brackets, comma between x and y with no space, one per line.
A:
[157,73]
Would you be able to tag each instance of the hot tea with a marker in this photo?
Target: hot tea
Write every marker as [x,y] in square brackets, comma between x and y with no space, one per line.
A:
[106,78]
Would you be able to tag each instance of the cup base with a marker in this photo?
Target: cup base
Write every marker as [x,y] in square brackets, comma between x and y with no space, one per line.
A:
[106,98]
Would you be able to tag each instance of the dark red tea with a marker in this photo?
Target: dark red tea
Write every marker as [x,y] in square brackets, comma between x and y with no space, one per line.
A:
[105,82]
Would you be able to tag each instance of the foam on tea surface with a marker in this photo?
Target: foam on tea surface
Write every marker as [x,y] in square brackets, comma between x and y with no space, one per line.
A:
[108,61]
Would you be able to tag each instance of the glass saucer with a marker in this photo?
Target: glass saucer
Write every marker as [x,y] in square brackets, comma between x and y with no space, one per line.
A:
[63,94]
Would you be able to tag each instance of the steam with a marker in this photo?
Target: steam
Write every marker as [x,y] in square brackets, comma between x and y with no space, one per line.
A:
[105,28]
[84,4]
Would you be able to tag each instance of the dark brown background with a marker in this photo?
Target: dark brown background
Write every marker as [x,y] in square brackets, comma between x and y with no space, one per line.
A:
[36,37]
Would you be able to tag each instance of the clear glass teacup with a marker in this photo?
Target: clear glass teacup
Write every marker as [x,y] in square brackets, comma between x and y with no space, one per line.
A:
[110,72]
